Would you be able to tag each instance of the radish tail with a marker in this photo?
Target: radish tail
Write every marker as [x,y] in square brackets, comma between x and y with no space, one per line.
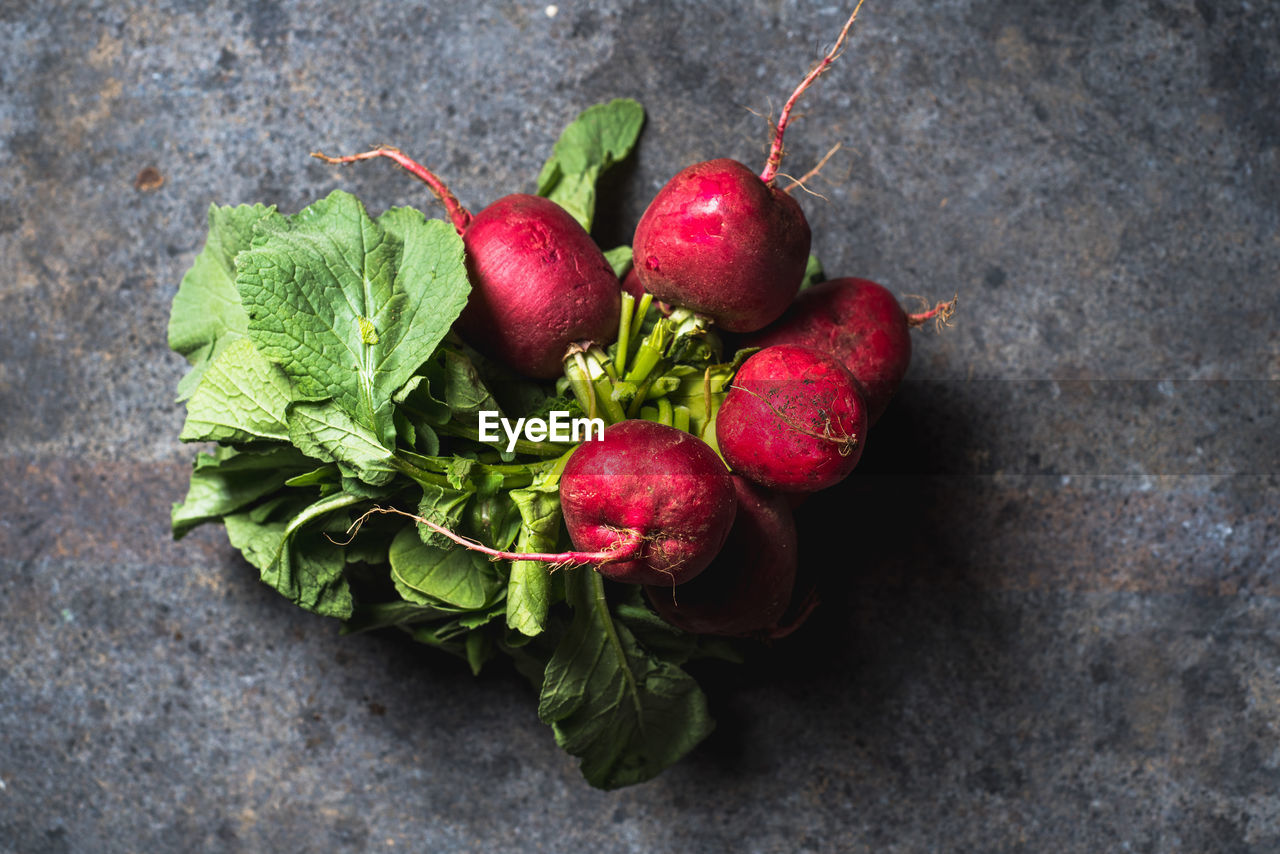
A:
[775,151]
[458,215]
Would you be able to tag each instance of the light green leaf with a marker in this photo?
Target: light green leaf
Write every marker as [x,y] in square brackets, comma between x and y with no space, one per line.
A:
[350,308]
[529,588]
[455,577]
[625,712]
[241,398]
[598,138]
[206,313]
[324,431]
[619,259]
[227,480]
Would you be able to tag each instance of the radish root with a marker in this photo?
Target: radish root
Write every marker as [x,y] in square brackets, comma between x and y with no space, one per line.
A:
[775,150]
[458,215]
[940,314]
[627,547]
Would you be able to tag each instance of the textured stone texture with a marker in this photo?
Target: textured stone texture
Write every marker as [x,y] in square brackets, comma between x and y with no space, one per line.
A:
[1050,619]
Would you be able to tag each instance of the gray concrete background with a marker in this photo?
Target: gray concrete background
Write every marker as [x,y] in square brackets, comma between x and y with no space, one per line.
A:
[1051,610]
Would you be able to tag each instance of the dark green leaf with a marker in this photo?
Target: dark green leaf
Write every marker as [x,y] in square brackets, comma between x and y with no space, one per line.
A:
[625,712]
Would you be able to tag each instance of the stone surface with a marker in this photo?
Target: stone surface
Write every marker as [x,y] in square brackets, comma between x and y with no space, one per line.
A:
[1050,617]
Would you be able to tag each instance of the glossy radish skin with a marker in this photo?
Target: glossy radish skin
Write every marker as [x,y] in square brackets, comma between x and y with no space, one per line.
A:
[723,243]
[656,481]
[747,588]
[857,321]
[539,283]
[793,420]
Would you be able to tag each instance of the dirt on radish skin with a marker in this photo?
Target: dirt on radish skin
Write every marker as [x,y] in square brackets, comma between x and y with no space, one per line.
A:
[539,283]
[857,321]
[661,483]
[793,420]
[747,588]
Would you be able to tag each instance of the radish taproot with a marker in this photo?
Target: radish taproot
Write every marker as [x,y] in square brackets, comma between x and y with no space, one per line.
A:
[793,420]
[724,242]
[747,588]
[539,283]
[862,325]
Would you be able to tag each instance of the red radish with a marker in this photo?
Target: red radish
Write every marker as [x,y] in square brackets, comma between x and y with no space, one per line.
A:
[862,325]
[652,481]
[538,281]
[646,504]
[793,420]
[747,588]
[631,284]
[724,242]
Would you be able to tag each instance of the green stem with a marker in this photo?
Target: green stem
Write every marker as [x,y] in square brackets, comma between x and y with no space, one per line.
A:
[523,446]
[681,420]
[666,415]
[638,317]
[624,333]
[580,384]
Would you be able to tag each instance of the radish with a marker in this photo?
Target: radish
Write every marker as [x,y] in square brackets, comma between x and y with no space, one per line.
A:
[862,325]
[656,482]
[793,420]
[747,588]
[645,504]
[723,242]
[539,283]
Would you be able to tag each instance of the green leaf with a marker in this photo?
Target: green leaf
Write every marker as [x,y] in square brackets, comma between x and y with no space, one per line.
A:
[382,615]
[324,431]
[444,507]
[619,259]
[598,138]
[529,587]
[625,712]
[813,273]
[465,392]
[479,650]
[455,577]
[458,471]
[654,633]
[207,314]
[304,565]
[227,480]
[350,308]
[241,398]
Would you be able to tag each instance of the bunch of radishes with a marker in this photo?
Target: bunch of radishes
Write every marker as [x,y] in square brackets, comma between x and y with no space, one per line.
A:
[694,505]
